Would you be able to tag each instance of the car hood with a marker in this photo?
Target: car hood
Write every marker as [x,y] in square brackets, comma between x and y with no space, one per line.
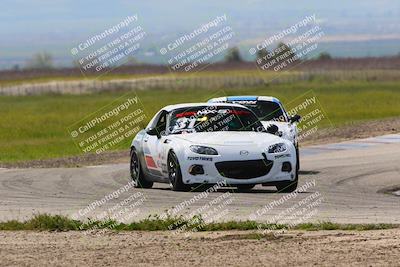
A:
[226,138]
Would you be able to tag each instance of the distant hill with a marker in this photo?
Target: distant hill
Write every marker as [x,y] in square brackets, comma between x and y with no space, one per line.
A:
[353,28]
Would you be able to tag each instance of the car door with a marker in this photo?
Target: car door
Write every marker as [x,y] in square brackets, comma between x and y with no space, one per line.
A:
[153,146]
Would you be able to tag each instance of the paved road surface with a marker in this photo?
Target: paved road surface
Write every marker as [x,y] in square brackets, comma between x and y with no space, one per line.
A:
[344,182]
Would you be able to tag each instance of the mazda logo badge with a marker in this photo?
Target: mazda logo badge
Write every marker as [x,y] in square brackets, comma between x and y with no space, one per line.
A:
[244,152]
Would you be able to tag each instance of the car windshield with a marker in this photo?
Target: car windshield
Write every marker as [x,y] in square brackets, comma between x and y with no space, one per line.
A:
[213,119]
[267,111]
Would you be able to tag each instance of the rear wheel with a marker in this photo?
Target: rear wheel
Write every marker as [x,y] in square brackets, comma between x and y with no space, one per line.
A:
[137,173]
[175,174]
[245,187]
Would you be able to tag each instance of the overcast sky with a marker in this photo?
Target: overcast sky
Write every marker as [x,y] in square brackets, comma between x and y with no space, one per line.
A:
[28,26]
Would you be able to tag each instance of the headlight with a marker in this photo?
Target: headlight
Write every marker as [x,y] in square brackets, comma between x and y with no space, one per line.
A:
[205,150]
[277,148]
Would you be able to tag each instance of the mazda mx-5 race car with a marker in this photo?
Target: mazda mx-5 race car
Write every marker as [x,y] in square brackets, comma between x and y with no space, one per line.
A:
[270,111]
[190,144]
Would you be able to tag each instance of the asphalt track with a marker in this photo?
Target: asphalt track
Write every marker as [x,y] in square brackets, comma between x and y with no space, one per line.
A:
[348,182]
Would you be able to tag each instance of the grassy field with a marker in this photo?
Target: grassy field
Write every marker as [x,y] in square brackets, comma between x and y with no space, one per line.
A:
[46,222]
[71,78]
[35,127]
[374,75]
[266,75]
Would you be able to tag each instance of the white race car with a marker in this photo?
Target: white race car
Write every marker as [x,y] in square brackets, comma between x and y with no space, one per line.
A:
[271,113]
[190,144]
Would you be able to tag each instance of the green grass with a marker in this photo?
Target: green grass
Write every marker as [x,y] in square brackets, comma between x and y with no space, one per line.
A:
[45,79]
[35,127]
[369,75]
[112,76]
[45,222]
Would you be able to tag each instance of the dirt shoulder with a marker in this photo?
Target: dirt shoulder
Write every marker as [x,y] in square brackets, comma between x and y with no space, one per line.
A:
[229,248]
[331,135]
[89,159]
[354,130]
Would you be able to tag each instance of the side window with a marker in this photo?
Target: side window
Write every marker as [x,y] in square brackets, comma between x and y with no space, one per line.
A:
[162,123]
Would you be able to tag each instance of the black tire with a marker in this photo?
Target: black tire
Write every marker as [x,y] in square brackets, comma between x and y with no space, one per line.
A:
[297,158]
[175,173]
[245,187]
[136,171]
[289,186]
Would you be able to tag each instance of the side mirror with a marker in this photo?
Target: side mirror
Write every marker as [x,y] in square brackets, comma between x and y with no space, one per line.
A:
[153,131]
[272,129]
[295,118]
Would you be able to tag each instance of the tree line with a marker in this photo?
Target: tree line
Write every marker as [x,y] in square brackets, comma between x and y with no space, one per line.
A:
[233,54]
[45,60]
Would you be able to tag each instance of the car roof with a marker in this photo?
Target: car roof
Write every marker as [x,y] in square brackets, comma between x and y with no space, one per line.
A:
[244,98]
[189,105]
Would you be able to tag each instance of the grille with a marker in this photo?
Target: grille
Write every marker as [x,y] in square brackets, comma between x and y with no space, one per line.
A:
[244,169]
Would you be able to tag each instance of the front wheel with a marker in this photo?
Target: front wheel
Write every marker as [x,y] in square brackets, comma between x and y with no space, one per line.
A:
[137,172]
[289,186]
[175,174]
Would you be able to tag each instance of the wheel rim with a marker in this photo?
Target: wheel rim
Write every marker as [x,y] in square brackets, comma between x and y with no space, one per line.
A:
[172,169]
[134,167]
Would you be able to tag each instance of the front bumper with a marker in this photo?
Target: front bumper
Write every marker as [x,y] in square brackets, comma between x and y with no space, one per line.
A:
[256,168]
